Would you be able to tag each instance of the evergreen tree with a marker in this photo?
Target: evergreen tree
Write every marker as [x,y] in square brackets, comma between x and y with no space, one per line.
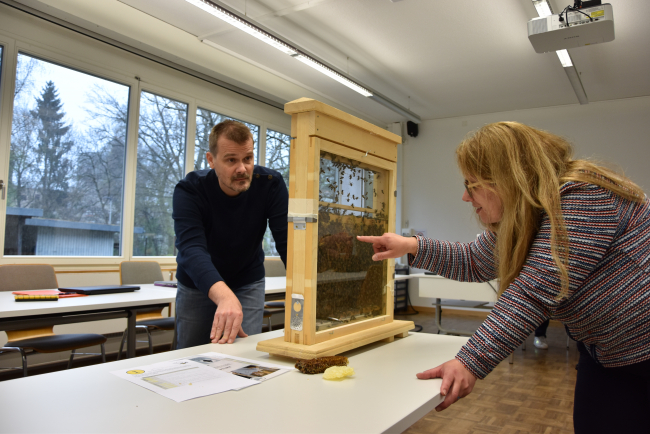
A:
[52,150]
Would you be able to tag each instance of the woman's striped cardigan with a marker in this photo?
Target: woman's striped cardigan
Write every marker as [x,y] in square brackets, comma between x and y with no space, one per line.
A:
[608,306]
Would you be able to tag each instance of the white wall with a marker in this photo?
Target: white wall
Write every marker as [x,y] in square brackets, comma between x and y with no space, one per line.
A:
[614,131]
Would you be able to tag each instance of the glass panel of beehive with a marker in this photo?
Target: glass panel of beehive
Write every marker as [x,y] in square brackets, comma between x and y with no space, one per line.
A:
[352,201]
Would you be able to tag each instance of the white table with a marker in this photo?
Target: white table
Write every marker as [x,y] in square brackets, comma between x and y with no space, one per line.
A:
[383,396]
[438,287]
[25,315]
[275,285]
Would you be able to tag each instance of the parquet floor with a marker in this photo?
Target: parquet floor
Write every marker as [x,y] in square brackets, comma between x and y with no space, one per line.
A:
[533,395]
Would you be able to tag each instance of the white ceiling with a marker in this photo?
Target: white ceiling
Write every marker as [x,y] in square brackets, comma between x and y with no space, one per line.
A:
[439,58]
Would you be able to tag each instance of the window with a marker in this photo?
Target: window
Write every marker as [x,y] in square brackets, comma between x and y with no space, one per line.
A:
[160,165]
[277,158]
[66,165]
[205,120]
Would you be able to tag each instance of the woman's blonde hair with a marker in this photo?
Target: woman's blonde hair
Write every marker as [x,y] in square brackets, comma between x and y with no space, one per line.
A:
[525,167]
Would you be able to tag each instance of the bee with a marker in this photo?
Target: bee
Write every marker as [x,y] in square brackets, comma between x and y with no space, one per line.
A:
[350,184]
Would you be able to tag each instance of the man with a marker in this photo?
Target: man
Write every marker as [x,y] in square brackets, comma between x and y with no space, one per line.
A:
[220,217]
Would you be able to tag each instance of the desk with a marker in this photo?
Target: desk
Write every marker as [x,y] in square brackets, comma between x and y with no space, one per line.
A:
[439,287]
[383,396]
[23,315]
[275,287]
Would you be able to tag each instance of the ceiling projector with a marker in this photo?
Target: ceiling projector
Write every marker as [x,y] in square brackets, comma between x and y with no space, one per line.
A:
[572,29]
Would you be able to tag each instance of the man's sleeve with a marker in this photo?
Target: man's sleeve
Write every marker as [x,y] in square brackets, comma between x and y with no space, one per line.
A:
[278,217]
[191,242]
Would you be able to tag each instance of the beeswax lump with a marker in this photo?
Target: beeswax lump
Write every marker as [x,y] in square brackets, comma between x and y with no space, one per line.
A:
[318,365]
[338,372]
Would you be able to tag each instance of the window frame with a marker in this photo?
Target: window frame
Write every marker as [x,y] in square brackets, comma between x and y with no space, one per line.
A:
[161,81]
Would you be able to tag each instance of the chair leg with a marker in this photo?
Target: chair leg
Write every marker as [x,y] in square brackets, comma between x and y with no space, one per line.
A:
[24,357]
[103,353]
[150,340]
[71,357]
[270,325]
[119,353]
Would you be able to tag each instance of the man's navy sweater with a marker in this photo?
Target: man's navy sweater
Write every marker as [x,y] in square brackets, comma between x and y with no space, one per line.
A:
[219,237]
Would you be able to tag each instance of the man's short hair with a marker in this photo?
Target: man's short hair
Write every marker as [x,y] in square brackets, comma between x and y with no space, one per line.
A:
[231,130]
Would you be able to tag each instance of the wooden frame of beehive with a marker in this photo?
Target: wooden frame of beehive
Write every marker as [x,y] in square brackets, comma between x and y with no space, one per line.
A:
[336,298]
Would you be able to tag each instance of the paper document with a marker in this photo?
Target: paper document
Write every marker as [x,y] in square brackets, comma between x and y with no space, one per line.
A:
[200,375]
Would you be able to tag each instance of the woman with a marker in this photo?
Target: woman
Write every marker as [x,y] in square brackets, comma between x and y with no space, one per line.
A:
[568,240]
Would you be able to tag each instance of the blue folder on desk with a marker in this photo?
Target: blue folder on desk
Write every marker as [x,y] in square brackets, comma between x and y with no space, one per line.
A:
[104,289]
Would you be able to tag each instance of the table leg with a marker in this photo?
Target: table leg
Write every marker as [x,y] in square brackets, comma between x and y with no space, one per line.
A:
[441,329]
[130,336]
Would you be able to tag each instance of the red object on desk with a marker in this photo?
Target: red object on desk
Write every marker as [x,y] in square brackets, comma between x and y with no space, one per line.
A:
[49,292]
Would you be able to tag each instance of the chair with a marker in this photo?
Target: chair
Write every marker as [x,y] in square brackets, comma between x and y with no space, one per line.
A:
[42,339]
[274,267]
[273,308]
[142,272]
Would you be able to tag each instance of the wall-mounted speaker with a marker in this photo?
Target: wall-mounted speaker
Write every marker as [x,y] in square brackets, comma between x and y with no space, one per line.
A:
[412,129]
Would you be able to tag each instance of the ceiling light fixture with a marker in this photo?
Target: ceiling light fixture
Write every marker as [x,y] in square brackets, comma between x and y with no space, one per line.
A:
[217,9]
[565,59]
[332,74]
[244,25]
[543,8]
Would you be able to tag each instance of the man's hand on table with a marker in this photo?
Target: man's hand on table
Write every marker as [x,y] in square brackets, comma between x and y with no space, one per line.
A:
[228,317]
[457,381]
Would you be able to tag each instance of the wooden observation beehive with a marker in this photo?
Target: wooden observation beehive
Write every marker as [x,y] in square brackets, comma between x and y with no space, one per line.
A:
[342,183]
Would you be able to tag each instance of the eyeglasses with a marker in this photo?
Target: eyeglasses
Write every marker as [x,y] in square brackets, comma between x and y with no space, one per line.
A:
[469,187]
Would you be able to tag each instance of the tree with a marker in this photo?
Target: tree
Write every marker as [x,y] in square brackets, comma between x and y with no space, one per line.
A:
[277,153]
[52,151]
[22,160]
[160,165]
[100,158]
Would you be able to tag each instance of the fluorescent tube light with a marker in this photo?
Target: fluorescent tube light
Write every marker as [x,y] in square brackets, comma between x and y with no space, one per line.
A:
[332,74]
[543,8]
[564,57]
[247,27]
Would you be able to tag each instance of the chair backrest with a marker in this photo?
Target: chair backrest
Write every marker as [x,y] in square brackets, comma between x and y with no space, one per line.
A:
[25,277]
[140,272]
[274,268]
